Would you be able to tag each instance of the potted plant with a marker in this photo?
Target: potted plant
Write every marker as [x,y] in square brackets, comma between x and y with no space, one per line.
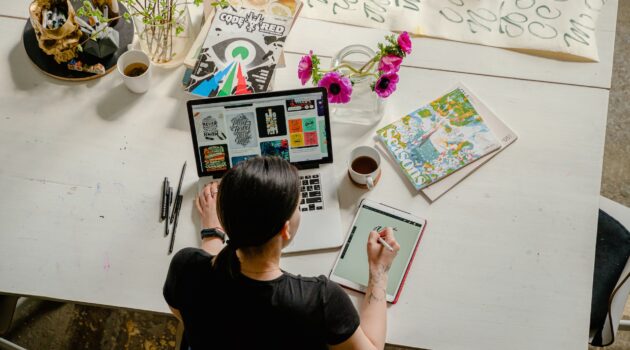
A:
[163,26]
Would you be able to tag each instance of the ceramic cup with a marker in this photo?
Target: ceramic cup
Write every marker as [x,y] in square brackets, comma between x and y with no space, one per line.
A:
[140,83]
[364,166]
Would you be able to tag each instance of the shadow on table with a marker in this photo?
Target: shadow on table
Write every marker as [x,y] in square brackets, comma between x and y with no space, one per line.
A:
[116,102]
[24,74]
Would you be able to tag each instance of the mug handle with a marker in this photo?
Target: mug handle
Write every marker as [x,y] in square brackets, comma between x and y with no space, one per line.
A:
[369,182]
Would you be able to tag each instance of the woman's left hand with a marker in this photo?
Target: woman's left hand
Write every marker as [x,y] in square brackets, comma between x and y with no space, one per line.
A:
[206,202]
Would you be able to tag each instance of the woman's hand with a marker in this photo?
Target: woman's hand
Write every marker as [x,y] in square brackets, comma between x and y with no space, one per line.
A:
[206,202]
[379,257]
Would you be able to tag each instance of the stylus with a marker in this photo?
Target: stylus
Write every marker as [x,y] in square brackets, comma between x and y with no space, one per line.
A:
[382,241]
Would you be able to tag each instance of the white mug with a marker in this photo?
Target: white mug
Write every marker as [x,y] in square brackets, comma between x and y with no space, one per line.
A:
[140,83]
[365,172]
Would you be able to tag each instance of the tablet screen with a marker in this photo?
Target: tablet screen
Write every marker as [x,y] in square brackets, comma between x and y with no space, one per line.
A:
[353,263]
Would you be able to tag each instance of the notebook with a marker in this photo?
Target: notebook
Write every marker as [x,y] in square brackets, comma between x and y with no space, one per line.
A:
[503,132]
[438,138]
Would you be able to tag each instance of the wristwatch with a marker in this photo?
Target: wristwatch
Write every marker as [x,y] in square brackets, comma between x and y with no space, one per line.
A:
[213,232]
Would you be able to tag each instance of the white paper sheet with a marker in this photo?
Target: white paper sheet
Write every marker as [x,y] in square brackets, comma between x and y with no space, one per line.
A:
[563,29]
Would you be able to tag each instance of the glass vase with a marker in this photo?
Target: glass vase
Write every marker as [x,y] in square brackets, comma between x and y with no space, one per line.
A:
[165,41]
[365,107]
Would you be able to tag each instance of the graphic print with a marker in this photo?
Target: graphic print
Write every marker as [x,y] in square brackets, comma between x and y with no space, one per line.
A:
[212,131]
[300,104]
[297,140]
[239,159]
[271,121]
[310,138]
[239,54]
[295,125]
[278,148]
[240,128]
[322,136]
[214,158]
[309,124]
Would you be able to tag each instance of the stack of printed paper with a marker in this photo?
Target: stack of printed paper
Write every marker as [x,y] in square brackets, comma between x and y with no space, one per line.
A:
[439,144]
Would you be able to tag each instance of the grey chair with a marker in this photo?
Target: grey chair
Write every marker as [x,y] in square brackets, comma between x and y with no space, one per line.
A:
[603,334]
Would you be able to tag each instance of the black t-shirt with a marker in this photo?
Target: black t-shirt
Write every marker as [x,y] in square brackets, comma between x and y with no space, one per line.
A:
[289,312]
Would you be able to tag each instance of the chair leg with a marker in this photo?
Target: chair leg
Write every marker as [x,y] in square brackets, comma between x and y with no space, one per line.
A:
[624,325]
[7,309]
[7,345]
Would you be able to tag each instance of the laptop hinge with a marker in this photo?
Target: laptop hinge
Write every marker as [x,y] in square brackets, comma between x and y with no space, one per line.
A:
[305,166]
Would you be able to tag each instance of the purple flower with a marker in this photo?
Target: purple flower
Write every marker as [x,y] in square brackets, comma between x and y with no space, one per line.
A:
[305,68]
[386,84]
[339,87]
[404,42]
[390,64]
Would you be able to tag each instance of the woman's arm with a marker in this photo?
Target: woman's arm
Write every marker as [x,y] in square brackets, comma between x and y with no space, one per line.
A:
[207,207]
[373,329]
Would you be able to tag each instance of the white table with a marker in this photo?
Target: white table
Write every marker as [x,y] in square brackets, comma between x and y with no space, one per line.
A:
[506,260]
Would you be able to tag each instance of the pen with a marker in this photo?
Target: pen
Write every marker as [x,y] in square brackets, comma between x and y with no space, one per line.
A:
[169,200]
[178,204]
[382,241]
[164,210]
[179,189]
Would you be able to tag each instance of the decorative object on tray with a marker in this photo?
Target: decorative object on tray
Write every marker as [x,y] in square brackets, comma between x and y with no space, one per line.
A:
[359,78]
[56,29]
[102,39]
[240,53]
[79,44]
[163,27]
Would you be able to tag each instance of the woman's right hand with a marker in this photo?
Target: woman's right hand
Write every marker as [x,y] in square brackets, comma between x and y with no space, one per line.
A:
[379,257]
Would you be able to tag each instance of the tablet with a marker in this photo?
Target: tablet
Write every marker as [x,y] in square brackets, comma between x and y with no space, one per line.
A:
[351,268]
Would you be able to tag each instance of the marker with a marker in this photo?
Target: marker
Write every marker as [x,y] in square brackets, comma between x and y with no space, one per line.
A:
[178,203]
[169,200]
[179,189]
[164,210]
[382,241]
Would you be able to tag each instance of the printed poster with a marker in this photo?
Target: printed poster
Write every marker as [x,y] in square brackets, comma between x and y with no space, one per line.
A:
[240,53]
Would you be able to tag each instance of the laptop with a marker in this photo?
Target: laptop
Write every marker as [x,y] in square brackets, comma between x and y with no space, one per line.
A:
[292,124]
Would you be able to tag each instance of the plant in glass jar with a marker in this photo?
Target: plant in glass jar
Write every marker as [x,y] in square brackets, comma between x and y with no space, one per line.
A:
[365,80]
[163,26]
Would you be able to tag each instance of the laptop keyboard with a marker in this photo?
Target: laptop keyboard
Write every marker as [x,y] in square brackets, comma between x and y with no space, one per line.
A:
[312,198]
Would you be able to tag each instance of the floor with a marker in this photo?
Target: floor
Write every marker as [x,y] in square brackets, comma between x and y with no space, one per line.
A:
[53,325]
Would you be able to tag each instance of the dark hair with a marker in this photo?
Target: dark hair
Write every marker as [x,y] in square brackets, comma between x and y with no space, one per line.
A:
[254,201]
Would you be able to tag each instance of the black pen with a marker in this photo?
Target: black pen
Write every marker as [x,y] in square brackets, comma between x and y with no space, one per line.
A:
[178,204]
[169,200]
[164,208]
[179,189]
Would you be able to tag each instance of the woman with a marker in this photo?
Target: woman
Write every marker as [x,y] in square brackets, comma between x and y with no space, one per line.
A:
[237,297]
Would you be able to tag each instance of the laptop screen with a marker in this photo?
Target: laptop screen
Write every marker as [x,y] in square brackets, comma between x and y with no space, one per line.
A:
[292,124]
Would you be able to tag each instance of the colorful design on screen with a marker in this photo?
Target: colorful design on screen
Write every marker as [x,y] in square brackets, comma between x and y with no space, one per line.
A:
[271,121]
[214,158]
[278,148]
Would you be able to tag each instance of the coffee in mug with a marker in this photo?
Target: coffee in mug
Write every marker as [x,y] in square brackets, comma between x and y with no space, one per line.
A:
[135,69]
[364,166]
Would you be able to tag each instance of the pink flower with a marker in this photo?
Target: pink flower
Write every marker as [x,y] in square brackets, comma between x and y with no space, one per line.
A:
[305,68]
[404,42]
[390,64]
[386,84]
[339,87]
